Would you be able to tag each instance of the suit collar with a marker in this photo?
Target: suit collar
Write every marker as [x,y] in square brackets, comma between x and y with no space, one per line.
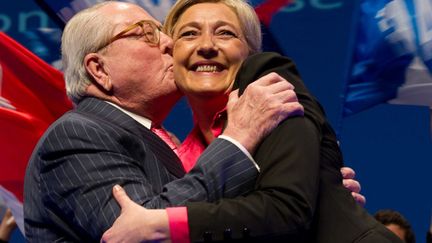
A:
[105,112]
[140,119]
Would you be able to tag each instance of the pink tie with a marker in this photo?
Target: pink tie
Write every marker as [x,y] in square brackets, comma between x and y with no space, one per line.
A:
[162,134]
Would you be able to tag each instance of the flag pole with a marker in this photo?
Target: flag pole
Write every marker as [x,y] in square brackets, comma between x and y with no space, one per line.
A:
[347,73]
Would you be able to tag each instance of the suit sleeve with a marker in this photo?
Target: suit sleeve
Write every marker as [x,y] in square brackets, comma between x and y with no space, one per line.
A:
[81,161]
[283,201]
[223,170]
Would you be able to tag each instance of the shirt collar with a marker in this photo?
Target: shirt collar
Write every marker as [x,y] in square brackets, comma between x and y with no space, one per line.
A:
[140,119]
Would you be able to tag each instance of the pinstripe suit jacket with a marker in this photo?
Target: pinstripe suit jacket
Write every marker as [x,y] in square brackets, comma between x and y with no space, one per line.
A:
[69,179]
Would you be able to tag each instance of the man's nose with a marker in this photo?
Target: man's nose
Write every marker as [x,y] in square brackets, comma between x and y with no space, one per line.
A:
[166,43]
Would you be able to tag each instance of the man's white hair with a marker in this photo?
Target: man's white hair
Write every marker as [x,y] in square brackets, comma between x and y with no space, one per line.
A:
[86,32]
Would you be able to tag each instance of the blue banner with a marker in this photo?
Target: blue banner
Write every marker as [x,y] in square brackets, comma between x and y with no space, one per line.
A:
[392,59]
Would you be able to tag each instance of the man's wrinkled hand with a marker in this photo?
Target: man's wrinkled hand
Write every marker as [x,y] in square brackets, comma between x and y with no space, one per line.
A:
[136,223]
[263,105]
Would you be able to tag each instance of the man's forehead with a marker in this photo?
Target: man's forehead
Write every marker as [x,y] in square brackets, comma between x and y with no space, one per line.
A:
[124,14]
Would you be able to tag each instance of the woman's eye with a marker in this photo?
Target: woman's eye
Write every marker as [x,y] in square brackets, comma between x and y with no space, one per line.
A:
[227,33]
[188,34]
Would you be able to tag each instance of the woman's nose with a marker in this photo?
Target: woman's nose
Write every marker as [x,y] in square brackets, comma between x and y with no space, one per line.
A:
[207,46]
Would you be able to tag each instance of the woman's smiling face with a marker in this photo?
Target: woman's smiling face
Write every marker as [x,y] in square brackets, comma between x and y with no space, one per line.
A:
[209,48]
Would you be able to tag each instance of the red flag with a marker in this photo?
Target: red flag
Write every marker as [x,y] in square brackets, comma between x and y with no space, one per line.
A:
[268,8]
[32,96]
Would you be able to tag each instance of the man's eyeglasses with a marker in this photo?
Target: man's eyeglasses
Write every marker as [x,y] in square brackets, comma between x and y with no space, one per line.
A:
[150,32]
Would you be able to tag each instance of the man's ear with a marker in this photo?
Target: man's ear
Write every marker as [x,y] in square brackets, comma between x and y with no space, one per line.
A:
[95,67]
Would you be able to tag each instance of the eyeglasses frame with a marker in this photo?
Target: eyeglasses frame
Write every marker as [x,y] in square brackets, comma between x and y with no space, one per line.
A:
[156,29]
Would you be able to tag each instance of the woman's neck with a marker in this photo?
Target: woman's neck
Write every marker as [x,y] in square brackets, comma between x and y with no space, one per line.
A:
[205,109]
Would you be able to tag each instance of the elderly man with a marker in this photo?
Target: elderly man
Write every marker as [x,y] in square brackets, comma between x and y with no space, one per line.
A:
[118,71]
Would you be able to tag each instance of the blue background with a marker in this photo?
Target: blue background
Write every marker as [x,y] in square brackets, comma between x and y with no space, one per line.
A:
[389,146]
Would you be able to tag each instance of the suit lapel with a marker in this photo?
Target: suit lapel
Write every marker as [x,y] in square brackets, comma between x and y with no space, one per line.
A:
[110,114]
[164,152]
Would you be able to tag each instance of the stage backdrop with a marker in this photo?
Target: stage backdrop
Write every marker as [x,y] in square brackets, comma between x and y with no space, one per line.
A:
[389,146]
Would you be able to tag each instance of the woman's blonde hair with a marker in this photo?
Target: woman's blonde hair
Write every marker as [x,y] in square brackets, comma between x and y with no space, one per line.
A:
[249,21]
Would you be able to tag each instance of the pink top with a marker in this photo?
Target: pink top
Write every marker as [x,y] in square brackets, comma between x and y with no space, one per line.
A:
[178,224]
[189,152]
[194,144]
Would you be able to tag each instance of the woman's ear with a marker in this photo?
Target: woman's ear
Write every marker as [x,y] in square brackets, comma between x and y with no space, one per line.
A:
[95,66]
